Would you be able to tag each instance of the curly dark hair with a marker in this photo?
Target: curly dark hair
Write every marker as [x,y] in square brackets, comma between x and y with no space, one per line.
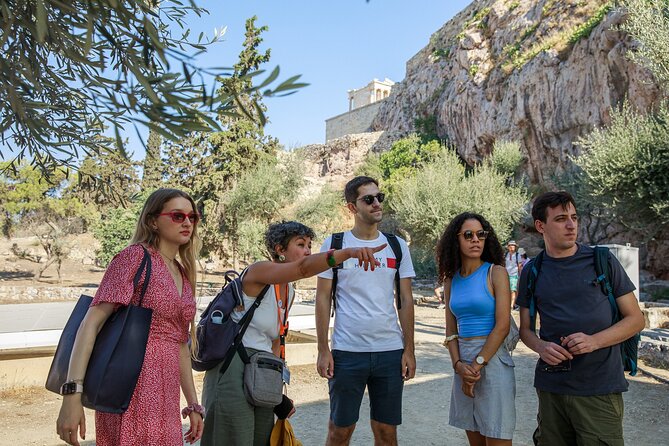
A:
[448,248]
[281,233]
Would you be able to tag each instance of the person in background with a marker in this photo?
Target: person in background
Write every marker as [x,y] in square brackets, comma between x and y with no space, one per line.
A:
[513,267]
[167,228]
[470,260]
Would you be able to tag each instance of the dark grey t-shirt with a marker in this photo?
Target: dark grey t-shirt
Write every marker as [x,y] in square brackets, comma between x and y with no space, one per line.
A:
[568,302]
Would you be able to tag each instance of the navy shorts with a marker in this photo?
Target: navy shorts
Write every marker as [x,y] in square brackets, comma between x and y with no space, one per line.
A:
[380,372]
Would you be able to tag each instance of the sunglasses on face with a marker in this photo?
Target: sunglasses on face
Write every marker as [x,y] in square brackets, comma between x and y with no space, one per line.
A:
[180,217]
[369,199]
[469,234]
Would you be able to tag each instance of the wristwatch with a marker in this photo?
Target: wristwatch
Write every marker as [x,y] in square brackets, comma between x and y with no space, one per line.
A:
[71,387]
[480,360]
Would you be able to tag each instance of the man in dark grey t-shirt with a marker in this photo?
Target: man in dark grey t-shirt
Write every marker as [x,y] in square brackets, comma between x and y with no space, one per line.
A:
[579,376]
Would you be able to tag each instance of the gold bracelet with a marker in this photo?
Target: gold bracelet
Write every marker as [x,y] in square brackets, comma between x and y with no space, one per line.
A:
[451,338]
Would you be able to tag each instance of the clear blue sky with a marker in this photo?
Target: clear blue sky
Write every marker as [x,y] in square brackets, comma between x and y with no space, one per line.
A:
[336,45]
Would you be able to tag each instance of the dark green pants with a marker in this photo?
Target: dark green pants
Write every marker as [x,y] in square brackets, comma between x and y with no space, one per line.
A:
[231,420]
[566,420]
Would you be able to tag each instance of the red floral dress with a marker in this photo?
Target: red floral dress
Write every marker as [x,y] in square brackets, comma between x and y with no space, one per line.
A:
[153,417]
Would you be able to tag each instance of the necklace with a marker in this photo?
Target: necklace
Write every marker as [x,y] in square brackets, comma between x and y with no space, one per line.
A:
[171,261]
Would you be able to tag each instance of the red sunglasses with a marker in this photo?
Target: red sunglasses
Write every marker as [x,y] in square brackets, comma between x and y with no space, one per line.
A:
[180,217]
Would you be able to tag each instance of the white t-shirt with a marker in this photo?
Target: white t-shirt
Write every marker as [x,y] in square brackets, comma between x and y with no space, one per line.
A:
[264,327]
[512,260]
[366,317]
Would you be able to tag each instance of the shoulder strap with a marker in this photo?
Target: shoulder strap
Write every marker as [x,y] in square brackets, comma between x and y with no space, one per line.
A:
[244,322]
[336,242]
[535,269]
[397,250]
[603,278]
[144,266]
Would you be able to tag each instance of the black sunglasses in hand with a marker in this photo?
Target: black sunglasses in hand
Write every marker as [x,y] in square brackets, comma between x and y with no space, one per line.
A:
[369,199]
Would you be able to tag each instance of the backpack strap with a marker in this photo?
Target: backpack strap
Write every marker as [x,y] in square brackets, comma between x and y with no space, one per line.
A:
[397,250]
[337,242]
[535,269]
[244,322]
[603,278]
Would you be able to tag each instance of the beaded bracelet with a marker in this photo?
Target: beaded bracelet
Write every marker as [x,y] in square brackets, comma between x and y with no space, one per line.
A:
[197,408]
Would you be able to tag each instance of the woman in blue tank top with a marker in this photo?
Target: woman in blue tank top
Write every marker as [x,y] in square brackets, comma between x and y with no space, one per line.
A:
[478,302]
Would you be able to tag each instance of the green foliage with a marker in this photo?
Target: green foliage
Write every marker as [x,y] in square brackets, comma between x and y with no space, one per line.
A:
[478,18]
[115,231]
[625,166]
[407,155]
[506,157]
[441,53]
[529,31]
[473,70]
[513,5]
[258,196]
[29,200]
[426,128]
[371,167]
[424,263]
[152,171]
[72,69]
[583,31]
[323,213]
[648,23]
[106,179]
[426,202]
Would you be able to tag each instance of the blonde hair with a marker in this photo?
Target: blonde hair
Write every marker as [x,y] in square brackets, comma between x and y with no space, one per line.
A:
[144,234]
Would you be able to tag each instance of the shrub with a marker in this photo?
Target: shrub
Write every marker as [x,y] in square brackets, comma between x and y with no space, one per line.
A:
[626,165]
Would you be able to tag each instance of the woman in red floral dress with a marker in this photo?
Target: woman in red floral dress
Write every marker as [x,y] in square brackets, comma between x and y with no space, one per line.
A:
[167,227]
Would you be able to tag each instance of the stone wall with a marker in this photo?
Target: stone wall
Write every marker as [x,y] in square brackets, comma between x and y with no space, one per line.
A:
[29,294]
[355,121]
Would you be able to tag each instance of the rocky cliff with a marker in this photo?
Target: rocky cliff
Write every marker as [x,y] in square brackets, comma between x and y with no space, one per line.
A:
[540,72]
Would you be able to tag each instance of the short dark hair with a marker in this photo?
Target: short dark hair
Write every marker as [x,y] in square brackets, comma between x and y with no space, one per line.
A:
[351,189]
[282,233]
[448,248]
[550,200]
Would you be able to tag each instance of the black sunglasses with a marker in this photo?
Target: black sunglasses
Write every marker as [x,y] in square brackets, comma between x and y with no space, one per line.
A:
[369,199]
[469,234]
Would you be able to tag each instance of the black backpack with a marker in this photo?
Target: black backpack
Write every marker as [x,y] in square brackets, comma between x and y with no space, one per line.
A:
[218,336]
[337,243]
[628,348]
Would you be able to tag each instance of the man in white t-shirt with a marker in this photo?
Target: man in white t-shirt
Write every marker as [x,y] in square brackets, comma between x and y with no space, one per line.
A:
[372,341]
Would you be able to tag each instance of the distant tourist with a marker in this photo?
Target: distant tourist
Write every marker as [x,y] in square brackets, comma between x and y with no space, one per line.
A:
[477,295]
[439,294]
[167,228]
[513,265]
[370,347]
[231,419]
[579,375]
[523,257]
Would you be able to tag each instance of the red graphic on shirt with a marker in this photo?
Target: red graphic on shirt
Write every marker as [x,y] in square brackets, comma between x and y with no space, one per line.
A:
[391,262]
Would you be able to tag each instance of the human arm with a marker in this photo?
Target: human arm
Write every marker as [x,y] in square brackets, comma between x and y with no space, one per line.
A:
[406,317]
[549,352]
[325,363]
[71,417]
[502,292]
[261,273]
[188,388]
[631,322]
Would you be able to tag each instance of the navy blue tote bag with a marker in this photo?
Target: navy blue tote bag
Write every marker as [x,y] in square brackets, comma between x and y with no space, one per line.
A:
[117,356]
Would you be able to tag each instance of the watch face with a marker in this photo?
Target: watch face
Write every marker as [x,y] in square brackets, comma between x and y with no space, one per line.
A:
[68,388]
[480,360]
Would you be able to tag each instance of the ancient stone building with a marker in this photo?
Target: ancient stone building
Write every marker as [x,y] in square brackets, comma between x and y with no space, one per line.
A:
[363,104]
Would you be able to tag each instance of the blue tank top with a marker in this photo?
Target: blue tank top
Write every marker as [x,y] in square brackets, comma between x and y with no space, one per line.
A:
[472,304]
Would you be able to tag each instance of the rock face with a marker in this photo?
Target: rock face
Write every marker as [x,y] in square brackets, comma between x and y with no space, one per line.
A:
[335,162]
[521,70]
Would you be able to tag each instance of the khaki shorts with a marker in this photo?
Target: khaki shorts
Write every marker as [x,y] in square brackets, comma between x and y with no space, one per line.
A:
[566,420]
